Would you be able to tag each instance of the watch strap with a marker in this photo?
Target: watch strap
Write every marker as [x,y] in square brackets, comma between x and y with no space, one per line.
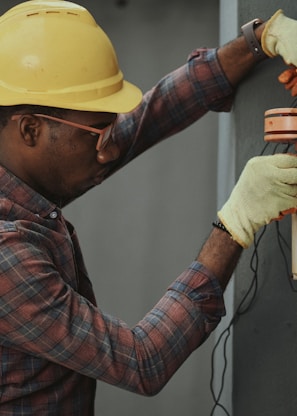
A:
[248,31]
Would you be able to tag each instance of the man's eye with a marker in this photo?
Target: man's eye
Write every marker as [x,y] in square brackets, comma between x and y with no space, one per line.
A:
[93,134]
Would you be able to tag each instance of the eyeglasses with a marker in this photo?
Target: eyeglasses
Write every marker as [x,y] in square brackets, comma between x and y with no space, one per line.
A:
[104,135]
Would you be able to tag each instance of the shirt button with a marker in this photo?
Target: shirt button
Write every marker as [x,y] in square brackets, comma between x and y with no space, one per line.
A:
[53,215]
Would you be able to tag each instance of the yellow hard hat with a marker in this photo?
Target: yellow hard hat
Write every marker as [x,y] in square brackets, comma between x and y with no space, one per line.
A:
[53,53]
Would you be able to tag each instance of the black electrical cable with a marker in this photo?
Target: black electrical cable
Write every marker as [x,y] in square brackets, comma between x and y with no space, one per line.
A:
[281,241]
[251,294]
[249,297]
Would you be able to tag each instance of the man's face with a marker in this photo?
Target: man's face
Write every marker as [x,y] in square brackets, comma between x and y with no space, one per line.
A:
[64,161]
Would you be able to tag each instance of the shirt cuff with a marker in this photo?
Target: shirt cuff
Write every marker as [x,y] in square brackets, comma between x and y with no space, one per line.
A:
[202,287]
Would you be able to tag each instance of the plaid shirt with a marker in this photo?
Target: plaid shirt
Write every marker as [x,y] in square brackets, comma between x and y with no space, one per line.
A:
[54,341]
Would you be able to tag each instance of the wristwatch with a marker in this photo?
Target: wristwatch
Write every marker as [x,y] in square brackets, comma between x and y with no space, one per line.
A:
[248,31]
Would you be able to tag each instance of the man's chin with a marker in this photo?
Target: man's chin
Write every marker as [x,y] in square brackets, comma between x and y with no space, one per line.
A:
[62,202]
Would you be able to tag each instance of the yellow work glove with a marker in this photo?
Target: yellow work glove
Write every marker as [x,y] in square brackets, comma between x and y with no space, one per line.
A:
[279,38]
[266,188]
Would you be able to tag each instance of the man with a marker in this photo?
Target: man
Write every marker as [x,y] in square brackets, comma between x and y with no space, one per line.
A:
[60,94]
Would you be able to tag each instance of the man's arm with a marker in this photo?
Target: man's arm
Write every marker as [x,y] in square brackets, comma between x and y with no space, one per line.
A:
[236,57]
[220,255]
[207,82]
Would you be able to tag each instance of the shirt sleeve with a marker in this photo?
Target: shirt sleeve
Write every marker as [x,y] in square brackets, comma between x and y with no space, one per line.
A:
[45,318]
[178,100]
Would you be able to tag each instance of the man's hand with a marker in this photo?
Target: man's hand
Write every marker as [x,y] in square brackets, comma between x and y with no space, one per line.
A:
[279,38]
[266,188]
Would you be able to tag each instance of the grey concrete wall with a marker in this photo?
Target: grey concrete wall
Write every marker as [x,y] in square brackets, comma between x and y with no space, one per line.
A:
[264,337]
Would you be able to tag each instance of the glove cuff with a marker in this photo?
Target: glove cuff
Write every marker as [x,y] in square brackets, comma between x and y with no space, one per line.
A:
[242,234]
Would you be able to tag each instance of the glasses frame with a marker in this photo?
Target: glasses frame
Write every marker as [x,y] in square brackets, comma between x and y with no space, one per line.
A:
[104,134]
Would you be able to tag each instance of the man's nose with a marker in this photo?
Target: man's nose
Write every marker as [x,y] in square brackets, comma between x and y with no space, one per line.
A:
[110,153]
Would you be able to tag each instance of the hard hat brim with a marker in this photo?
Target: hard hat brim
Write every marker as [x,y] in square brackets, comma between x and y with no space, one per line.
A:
[122,101]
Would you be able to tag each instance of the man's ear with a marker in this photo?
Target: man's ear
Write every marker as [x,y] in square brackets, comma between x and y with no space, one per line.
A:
[30,128]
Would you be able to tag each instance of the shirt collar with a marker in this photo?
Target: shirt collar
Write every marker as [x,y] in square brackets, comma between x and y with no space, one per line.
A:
[20,193]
